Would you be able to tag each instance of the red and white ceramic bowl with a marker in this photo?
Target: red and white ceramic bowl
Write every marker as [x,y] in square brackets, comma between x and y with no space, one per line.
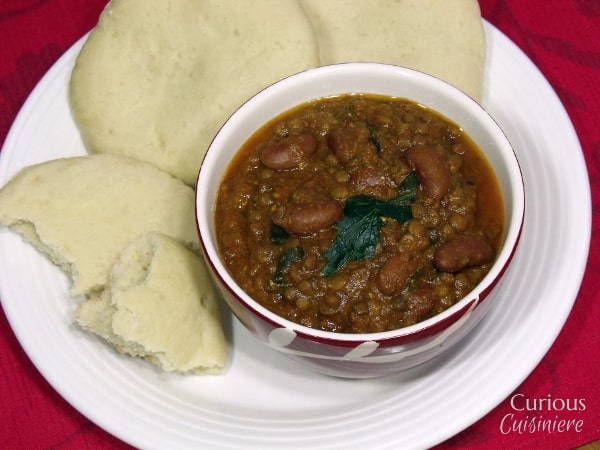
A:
[375,354]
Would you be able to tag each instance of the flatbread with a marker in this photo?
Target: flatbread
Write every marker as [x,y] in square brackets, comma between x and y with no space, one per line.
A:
[160,305]
[80,212]
[444,38]
[156,79]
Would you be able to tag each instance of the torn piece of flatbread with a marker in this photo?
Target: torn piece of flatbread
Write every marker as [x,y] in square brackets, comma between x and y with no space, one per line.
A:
[444,38]
[160,305]
[156,79]
[80,212]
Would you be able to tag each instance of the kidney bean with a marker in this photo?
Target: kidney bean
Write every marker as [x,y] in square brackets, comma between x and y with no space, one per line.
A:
[308,218]
[395,273]
[343,146]
[372,181]
[420,305]
[349,144]
[463,252]
[433,174]
[289,152]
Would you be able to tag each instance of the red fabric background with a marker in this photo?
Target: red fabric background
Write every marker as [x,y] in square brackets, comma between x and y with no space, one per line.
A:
[562,37]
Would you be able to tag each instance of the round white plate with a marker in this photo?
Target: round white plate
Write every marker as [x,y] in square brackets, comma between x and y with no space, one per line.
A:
[264,400]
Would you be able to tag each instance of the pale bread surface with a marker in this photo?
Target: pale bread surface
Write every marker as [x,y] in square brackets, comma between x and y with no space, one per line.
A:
[80,212]
[156,79]
[160,305]
[444,38]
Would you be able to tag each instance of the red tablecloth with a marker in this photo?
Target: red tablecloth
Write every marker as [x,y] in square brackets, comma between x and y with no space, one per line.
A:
[562,37]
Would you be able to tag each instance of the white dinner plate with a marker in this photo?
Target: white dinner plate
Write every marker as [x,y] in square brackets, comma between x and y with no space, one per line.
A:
[266,401]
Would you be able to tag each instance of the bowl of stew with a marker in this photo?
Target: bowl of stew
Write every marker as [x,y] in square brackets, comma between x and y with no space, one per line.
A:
[359,217]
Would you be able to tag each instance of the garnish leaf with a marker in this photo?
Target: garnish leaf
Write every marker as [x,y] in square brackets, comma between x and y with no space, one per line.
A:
[408,188]
[363,205]
[356,240]
[358,231]
[277,234]
[373,137]
[288,257]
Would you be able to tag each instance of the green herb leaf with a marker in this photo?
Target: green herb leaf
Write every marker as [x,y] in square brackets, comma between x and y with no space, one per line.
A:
[288,257]
[364,205]
[356,240]
[277,234]
[408,188]
[359,229]
[373,137]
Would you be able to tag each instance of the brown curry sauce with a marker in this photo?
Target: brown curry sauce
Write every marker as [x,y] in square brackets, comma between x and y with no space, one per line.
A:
[284,200]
